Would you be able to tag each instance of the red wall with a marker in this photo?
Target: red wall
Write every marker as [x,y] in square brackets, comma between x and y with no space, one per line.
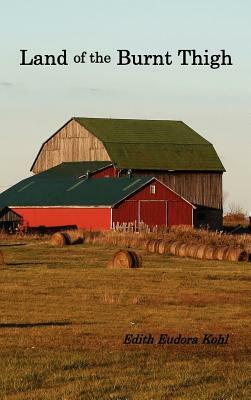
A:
[154,212]
[179,212]
[152,209]
[89,218]
[108,171]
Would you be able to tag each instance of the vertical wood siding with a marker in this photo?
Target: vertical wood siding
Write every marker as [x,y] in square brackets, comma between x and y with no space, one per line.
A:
[72,143]
[202,188]
[9,216]
[154,212]
[151,208]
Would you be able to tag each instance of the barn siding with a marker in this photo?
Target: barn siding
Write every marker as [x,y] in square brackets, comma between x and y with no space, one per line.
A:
[197,187]
[126,212]
[179,211]
[154,212]
[7,215]
[179,214]
[88,218]
[75,143]
[105,172]
[72,143]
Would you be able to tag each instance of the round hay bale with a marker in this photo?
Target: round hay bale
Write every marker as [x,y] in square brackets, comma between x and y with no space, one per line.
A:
[236,254]
[144,244]
[158,244]
[123,259]
[220,253]
[59,239]
[137,259]
[200,251]
[153,245]
[74,237]
[192,250]
[164,247]
[209,252]
[174,247]
[1,258]
[183,249]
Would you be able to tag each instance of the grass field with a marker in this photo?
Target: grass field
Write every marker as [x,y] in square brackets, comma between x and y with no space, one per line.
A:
[64,317]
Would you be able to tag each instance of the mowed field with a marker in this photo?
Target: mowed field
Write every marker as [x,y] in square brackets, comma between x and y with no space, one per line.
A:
[64,317]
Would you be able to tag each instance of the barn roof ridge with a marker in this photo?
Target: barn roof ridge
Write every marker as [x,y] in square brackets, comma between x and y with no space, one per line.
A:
[150,144]
[126,119]
[129,143]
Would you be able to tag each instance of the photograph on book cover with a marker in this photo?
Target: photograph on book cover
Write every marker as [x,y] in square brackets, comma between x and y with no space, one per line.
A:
[125,211]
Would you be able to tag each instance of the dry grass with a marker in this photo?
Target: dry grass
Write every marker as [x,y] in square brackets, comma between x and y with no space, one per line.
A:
[132,239]
[181,233]
[1,258]
[22,236]
[64,317]
[236,218]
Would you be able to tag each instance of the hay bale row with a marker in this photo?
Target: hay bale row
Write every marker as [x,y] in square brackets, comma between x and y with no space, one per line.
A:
[200,251]
[66,238]
[124,259]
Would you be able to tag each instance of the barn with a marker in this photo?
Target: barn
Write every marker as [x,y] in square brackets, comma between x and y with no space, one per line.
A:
[169,150]
[98,203]
[9,220]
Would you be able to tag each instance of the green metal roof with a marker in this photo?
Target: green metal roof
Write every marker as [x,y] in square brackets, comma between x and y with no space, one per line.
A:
[153,144]
[37,191]
[73,169]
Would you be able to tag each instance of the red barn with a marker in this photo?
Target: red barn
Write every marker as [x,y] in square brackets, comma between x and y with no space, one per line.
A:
[48,199]
[169,150]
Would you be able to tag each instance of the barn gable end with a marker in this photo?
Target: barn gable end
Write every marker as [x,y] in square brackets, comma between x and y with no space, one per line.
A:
[72,142]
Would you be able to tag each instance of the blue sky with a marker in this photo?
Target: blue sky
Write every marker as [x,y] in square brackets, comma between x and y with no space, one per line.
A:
[37,100]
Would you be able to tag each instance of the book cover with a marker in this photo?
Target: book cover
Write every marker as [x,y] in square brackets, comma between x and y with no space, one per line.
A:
[124,200]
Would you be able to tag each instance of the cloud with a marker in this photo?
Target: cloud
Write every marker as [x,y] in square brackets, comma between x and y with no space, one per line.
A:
[88,89]
[97,90]
[6,84]
[92,89]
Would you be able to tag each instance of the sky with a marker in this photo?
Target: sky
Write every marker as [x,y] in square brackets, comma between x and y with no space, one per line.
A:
[36,100]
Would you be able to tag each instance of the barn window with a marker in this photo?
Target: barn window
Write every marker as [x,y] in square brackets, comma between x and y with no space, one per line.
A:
[152,189]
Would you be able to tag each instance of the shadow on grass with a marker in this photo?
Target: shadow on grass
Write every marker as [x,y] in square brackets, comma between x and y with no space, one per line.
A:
[35,324]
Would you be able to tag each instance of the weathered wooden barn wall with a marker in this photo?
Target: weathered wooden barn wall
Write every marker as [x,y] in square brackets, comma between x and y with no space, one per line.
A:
[201,188]
[71,143]
[9,220]
[7,215]
[75,143]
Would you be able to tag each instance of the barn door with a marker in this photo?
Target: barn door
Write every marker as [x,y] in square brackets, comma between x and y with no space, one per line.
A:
[153,212]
